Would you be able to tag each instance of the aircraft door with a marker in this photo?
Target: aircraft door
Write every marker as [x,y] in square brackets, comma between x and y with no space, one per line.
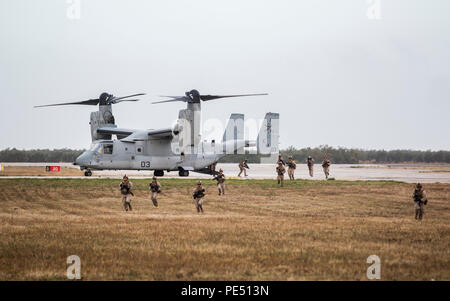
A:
[130,151]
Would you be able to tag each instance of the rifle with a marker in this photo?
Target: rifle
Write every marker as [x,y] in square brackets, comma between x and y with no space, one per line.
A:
[217,178]
[417,196]
[127,188]
[154,188]
[198,194]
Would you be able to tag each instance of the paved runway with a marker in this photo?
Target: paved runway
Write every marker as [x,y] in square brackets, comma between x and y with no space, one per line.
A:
[410,173]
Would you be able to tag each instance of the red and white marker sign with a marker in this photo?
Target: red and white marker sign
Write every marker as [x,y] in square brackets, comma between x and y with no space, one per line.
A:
[53,168]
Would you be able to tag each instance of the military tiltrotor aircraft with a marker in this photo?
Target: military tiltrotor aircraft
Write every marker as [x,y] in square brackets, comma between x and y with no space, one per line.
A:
[177,148]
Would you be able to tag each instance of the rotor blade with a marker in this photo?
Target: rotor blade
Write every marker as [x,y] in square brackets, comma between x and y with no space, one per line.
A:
[178,98]
[122,97]
[211,97]
[114,101]
[91,102]
[171,96]
[128,100]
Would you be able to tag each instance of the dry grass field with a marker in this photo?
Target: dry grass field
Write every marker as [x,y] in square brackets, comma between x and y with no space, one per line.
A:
[39,171]
[308,230]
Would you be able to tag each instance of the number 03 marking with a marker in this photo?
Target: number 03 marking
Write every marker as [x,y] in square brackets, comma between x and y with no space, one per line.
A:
[145,163]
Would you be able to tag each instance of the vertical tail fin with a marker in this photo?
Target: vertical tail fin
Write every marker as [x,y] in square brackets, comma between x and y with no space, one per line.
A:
[233,132]
[267,142]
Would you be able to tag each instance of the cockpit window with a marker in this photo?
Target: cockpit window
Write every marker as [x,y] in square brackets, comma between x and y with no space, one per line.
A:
[95,147]
[102,148]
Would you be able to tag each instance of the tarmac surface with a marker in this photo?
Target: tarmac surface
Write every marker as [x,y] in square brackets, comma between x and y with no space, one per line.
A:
[410,173]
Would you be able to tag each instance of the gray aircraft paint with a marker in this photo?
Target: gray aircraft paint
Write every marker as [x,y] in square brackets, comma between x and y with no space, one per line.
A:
[161,149]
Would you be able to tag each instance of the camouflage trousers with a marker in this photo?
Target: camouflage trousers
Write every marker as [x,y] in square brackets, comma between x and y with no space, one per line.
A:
[221,188]
[326,170]
[280,180]
[419,208]
[154,200]
[291,172]
[311,171]
[242,169]
[199,204]
[126,202]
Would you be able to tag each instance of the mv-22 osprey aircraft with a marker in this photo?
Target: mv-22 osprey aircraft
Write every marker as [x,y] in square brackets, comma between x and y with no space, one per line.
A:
[177,148]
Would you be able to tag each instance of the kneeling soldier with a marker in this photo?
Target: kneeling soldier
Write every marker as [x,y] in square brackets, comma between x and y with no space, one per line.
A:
[126,190]
[155,188]
[420,200]
[280,171]
[220,178]
[198,195]
[291,168]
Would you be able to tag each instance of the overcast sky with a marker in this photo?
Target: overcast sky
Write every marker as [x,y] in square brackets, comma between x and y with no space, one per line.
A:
[342,73]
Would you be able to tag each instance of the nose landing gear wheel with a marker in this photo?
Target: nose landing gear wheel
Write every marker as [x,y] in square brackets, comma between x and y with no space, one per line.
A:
[183,173]
[88,173]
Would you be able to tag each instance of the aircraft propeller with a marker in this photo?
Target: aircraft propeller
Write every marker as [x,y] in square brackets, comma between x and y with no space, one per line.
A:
[104,99]
[194,96]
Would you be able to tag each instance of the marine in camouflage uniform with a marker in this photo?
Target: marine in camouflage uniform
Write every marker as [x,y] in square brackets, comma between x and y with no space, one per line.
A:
[310,163]
[326,166]
[126,189]
[199,193]
[220,178]
[155,188]
[280,172]
[280,159]
[242,167]
[420,200]
[291,167]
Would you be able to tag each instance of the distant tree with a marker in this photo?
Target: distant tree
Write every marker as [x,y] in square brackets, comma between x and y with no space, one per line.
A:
[338,155]
[39,155]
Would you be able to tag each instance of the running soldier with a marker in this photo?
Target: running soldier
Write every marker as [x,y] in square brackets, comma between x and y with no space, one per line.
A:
[243,167]
[126,188]
[420,200]
[198,195]
[291,167]
[326,166]
[220,178]
[310,163]
[280,172]
[155,188]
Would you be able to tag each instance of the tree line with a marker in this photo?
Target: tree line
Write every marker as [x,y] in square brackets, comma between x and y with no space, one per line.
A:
[336,155]
[39,155]
[353,156]
[343,155]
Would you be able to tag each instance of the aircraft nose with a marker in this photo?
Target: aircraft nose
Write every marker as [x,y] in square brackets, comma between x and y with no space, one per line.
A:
[83,159]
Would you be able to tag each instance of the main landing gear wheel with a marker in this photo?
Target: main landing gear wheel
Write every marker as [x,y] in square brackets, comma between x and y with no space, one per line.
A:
[88,173]
[158,173]
[183,173]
